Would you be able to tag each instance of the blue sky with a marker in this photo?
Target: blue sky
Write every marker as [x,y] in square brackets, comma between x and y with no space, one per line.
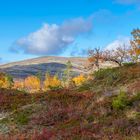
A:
[33,28]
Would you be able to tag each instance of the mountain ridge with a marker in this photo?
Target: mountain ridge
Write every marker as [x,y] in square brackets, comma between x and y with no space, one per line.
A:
[9,64]
[54,64]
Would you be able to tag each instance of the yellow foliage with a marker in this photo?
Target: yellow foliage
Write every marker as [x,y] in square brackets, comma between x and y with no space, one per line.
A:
[4,83]
[79,80]
[51,82]
[32,84]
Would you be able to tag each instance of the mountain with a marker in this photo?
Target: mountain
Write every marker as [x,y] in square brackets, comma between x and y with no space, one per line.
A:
[53,64]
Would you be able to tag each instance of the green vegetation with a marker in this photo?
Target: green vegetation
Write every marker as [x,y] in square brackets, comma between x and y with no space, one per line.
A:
[117,76]
[110,76]
[21,118]
[121,101]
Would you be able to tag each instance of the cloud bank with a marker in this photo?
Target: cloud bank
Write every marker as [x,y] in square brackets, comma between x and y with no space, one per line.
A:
[53,39]
[118,43]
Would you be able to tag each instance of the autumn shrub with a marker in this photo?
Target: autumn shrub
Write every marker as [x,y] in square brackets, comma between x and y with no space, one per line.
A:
[18,85]
[32,84]
[79,80]
[6,81]
[51,83]
[121,101]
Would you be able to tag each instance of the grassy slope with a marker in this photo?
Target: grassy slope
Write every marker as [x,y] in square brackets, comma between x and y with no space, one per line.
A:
[93,110]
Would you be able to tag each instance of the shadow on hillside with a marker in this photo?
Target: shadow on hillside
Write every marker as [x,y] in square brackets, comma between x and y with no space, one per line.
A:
[21,72]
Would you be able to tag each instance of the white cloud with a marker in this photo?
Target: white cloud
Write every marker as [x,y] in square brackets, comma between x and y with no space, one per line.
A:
[53,39]
[118,43]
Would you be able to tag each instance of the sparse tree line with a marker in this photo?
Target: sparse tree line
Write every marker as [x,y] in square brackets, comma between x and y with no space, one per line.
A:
[34,83]
[122,54]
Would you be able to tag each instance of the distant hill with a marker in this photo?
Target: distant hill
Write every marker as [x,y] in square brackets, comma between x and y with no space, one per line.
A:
[53,64]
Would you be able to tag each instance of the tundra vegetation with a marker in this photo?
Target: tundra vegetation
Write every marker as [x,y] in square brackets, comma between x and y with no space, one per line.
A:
[102,105]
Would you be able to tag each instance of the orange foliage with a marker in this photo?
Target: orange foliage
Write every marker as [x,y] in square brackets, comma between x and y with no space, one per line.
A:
[18,85]
[95,56]
[4,82]
[32,84]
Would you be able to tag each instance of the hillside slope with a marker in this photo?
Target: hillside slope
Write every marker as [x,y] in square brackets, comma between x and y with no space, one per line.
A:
[105,108]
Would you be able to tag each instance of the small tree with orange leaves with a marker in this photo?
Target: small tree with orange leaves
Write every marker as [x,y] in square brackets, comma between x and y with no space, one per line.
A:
[95,56]
[32,84]
[118,56]
[51,82]
[79,80]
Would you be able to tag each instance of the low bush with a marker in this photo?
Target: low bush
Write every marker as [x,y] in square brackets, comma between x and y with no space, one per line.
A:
[22,118]
[6,81]
[121,101]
